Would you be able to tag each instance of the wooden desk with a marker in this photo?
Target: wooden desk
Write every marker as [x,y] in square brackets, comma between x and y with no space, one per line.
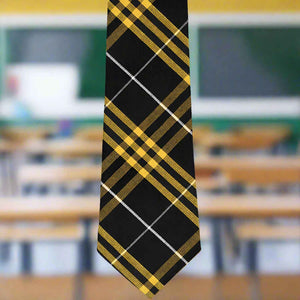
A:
[33,233]
[63,147]
[199,133]
[94,133]
[262,177]
[78,208]
[233,287]
[6,146]
[276,133]
[266,232]
[86,209]
[21,134]
[210,183]
[245,138]
[251,170]
[274,163]
[215,139]
[250,206]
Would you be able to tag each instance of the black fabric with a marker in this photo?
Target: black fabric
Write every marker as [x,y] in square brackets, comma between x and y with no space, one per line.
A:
[148,224]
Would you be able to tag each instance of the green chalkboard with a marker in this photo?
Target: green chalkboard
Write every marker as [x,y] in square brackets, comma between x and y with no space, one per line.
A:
[93,67]
[255,62]
[2,60]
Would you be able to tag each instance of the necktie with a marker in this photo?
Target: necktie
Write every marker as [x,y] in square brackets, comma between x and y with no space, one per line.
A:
[148,224]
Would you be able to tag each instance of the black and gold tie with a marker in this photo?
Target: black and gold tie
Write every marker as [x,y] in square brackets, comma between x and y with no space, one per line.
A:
[148,225]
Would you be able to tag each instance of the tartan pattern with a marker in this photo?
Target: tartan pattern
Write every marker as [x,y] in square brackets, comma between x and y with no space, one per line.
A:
[148,223]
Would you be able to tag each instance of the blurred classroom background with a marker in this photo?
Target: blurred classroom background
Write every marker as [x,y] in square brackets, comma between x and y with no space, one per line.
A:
[245,68]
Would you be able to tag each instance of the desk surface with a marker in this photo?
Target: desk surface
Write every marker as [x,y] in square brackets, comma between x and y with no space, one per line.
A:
[6,146]
[246,137]
[248,162]
[75,208]
[21,134]
[71,146]
[93,133]
[273,131]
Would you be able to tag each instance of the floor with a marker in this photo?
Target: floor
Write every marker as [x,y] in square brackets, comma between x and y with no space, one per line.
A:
[180,288]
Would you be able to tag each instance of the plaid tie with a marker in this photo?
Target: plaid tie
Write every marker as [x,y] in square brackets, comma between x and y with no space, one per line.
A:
[148,225]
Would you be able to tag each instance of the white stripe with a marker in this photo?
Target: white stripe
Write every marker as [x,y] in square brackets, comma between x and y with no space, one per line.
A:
[143,222]
[154,222]
[147,63]
[150,94]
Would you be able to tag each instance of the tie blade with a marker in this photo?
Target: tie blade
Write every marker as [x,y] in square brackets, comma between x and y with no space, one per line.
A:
[148,223]
[149,279]
[147,237]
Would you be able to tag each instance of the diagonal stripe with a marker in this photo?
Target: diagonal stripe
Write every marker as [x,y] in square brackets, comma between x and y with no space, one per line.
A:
[155,30]
[126,255]
[148,158]
[149,93]
[121,6]
[152,224]
[118,174]
[123,270]
[143,222]
[135,181]
[147,63]
[158,134]
[161,130]
[167,266]
[121,29]
[153,116]
[168,24]
[155,183]
[183,250]
[148,42]
[155,12]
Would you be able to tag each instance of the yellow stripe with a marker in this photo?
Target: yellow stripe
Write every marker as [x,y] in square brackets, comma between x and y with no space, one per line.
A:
[161,35]
[162,130]
[121,268]
[130,186]
[136,264]
[119,31]
[147,158]
[157,135]
[153,116]
[153,181]
[148,42]
[183,250]
[164,20]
